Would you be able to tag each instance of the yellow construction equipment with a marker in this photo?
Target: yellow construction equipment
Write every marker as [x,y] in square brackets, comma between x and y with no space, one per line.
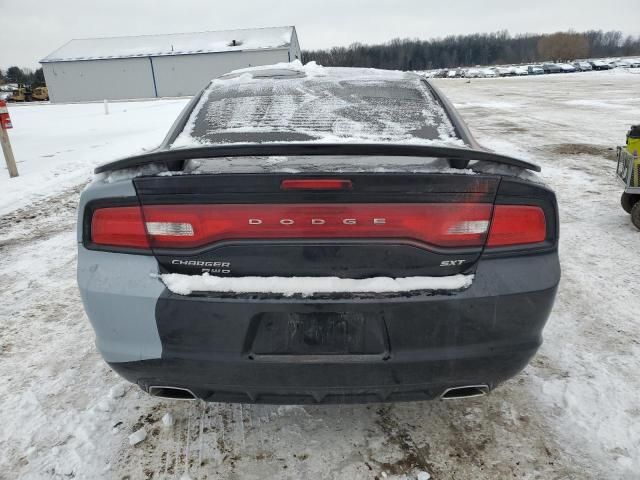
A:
[20,94]
[633,140]
[24,94]
[628,171]
[40,94]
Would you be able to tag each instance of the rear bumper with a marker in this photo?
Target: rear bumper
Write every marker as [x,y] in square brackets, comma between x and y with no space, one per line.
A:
[483,335]
[397,379]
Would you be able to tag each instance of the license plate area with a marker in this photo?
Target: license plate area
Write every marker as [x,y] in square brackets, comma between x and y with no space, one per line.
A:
[318,335]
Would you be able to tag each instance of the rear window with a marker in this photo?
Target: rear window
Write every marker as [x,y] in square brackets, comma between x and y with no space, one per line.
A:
[318,104]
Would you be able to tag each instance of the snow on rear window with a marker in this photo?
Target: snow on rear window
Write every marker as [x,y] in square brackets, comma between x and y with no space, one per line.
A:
[313,103]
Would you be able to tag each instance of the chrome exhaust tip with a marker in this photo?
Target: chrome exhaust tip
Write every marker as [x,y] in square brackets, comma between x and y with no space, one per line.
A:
[174,393]
[465,391]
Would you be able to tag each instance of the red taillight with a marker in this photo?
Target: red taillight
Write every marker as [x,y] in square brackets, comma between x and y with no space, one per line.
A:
[316,184]
[517,225]
[438,224]
[445,225]
[119,227]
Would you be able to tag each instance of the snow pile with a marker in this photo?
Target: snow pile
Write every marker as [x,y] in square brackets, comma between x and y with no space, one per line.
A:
[168,420]
[137,436]
[506,170]
[320,164]
[129,173]
[117,391]
[303,103]
[310,69]
[306,286]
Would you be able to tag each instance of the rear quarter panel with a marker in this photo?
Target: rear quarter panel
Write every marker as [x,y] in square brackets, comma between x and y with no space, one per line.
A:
[119,291]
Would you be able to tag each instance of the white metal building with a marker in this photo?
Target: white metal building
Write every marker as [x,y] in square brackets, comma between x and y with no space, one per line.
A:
[160,65]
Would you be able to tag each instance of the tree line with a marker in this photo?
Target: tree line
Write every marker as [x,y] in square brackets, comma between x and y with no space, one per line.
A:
[15,74]
[496,48]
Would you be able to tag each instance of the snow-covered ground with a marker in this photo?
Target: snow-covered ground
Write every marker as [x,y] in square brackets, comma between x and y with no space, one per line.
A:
[57,146]
[572,414]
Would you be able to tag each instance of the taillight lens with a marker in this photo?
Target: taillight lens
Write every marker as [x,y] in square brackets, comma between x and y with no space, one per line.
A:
[517,225]
[119,227]
[445,225]
[437,224]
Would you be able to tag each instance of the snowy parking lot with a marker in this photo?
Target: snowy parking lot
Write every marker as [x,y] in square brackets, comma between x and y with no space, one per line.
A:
[573,413]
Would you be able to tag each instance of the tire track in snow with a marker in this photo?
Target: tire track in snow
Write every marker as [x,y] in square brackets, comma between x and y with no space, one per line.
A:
[40,220]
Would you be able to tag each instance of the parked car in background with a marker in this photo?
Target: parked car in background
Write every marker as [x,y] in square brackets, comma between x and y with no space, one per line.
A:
[535,70]
[567,67]
[473,73]
[634,62]
[552,68]
[583,66]
[600,65]
[520,71]
[429,73]
[488,73]
[504,71]
[334,281]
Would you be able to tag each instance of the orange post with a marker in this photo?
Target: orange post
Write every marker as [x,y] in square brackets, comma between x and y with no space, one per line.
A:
[5,124]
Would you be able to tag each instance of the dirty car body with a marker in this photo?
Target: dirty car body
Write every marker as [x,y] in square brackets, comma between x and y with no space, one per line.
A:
[318,235]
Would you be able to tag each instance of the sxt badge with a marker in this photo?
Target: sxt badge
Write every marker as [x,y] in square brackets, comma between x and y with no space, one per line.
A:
[452,263]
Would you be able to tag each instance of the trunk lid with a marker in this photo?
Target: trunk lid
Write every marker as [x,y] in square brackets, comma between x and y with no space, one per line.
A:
[350,225]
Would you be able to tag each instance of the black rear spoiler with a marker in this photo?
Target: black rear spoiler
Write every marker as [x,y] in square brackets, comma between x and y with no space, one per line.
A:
[177,156]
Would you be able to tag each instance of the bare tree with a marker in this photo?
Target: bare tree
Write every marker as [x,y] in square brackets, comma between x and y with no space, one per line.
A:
[477,49]
[563,46]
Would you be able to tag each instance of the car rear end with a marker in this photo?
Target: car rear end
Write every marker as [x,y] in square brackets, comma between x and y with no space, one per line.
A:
[319,276]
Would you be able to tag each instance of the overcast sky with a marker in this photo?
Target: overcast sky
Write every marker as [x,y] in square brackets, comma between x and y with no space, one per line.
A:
[30,29]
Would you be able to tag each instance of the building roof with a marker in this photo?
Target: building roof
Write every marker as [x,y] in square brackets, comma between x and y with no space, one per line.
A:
[172,44]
